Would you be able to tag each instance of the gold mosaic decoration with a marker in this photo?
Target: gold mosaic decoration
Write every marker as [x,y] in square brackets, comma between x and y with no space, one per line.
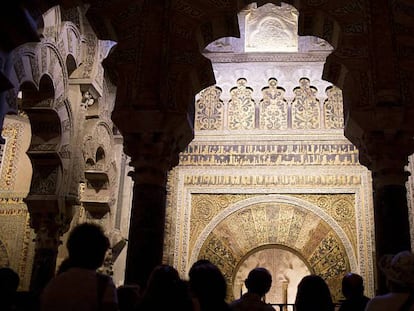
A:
[340,207]
[271,224]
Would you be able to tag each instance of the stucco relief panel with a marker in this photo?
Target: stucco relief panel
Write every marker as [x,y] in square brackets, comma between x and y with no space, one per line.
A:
[272,28]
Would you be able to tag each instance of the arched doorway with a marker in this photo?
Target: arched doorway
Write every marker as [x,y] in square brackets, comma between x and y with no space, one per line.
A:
[286,266]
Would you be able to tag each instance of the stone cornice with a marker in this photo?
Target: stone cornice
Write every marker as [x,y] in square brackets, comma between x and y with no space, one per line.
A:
[267,57]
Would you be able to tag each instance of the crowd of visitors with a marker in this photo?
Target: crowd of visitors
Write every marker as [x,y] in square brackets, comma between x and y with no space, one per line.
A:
[78,286]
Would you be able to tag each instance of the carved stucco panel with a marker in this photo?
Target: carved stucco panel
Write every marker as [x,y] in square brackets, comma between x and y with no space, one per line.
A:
[273,107]
[241,107]
[272,28]
[209,110]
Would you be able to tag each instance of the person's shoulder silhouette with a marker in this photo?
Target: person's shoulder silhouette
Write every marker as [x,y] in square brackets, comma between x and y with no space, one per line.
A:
[78,286]
[353,291]
[9,282]
[87,245]
[165,290]
[208,286]
[258,283]
[313,294]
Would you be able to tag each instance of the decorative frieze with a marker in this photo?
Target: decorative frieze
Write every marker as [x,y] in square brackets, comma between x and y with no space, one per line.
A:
[261,153]
[273,180]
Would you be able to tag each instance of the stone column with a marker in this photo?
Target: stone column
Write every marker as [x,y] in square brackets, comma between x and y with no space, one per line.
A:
[152,156]
[46,248]
[146,232]
[158,69]
[387,159]
[49,221]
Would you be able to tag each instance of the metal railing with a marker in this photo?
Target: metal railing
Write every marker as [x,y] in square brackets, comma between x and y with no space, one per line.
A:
[283,306]
[291,306]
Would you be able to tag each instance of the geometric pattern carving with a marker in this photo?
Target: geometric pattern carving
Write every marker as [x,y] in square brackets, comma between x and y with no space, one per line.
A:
[273,107]
[241,107]
[209,112]
[305,107]
[10,159]
[45,179]
[333,109]
[207,223]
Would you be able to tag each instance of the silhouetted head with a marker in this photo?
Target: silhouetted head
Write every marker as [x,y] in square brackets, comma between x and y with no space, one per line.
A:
[9,281]
[313,294]
[87,245]
[352,285]
[259,281]
[128,297]
[399,271]
[166,291]
[162,278]
[207,282]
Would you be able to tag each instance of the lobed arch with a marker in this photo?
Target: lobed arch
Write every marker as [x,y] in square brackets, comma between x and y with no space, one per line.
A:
[99,169]
[70,64]
[39,72]
[97,143]
[31,62]
[71,38]
[65,34]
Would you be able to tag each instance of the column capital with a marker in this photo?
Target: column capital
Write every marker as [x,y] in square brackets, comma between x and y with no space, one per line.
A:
[386,155]
[153,140]
[50,217]
[152,154]
[383,134]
